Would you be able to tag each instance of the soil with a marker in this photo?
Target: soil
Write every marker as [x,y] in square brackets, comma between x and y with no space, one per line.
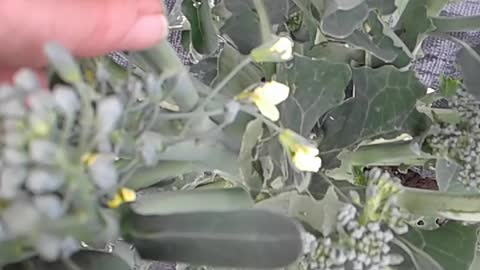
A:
[413,179]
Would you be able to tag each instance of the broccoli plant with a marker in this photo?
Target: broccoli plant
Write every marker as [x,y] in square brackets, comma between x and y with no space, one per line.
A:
[269,151]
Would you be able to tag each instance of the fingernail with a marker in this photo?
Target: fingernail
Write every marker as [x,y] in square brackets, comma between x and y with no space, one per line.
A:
[146,32]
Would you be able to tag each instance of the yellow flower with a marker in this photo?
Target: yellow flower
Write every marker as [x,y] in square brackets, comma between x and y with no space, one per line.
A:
[279,50]
[89,158]
[306,159]
[266,96]
[124,195]
[304,154]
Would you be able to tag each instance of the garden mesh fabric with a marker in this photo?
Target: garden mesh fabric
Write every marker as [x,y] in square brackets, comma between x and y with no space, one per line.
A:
[439,53]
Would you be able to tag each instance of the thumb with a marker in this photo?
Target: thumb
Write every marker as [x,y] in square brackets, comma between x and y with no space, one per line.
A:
[87,27]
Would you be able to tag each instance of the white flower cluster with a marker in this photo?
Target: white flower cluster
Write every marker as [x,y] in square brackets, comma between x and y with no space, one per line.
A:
[460,142]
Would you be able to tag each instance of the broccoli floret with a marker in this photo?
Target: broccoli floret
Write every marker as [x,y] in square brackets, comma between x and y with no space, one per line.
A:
[460,142]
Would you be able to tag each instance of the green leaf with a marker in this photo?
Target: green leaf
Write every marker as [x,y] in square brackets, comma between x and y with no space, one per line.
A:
[336,53]
[242,27]
[434,7]
[476,260]
[456,24]
[320,215]
[13,251]
[446,174]
[450,205]
[63,63]
[277,9]
[205,70]
[381,42]
[203,30]
[449,86]
[469,61]
[163,171]
[155,202]
[383,105]
[414,23]
[84,259]
[342,17]
[251,136]
[394,153]
[317,86]
[452,245]
[363,40]
[227,61]
[210,154]
[242,238]
[343,4]
[161,58]
[416,258]
[383,6]
[384,37]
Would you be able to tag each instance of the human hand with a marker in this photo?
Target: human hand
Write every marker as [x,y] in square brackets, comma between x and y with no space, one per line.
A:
[86,27]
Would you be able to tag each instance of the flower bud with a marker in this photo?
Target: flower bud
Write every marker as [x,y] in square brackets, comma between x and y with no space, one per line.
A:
[26,79]
[124,195]
[41,181]
[278,50]
[20,218]
[48,246]
[49,205]
[109,111]
[67,100]
[11,179]
[40,102]
[231,111]
[14,139]
[13,156]
[149,145]
[304,155]
[43,151]
[12,107]
[103,172]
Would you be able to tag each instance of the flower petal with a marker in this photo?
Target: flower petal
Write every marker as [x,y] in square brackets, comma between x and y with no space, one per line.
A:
[267,109]
[305,162]
[310,150]
[284,47]
[273,91]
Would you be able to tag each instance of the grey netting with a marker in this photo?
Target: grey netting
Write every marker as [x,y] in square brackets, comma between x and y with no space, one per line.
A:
[440,54]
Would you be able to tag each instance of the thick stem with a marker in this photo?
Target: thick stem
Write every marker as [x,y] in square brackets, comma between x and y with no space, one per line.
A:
[165,170]
[386,154]
[87,116]
[456,24]
[265,28]
[457,206]
[163,60]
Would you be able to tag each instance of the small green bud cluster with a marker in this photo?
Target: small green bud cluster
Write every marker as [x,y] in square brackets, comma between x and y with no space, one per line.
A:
[460,142]
[363,238]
